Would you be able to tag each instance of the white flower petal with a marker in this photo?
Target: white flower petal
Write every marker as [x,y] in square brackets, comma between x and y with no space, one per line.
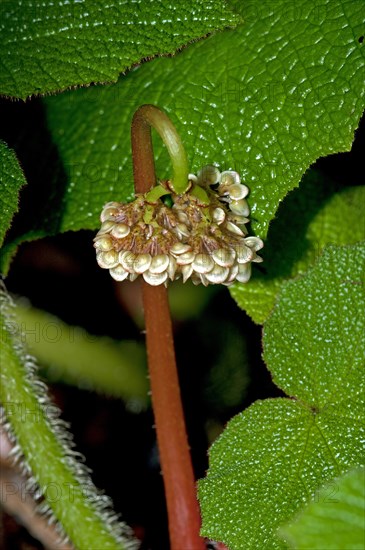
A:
[181,230]
[232,274]
[179,248]
[186,270]
[203,263]
[240,207]
[238,220]
[154,279]
[105,227]
[127,259]
[103,243]
[217,275]
[208,175]
[229,177]
[111,204]
[108,259]
[203,279]
[108,213]
[195,279]
[254,242]
[120,230]
[224,256]
[171,270]
[244,273]
[186,258]
[182,216]
[118,273]
[237,191]
[234,229]
[219,215]
[142,263]
[244,254]
[159,263]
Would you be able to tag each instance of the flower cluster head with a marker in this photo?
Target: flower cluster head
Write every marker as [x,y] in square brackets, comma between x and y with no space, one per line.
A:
[201,236]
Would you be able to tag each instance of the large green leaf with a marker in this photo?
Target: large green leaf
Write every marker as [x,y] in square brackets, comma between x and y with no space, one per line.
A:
[274,456]
[267,98]
[49,46]
[307,220]
[335,519]
[11,180]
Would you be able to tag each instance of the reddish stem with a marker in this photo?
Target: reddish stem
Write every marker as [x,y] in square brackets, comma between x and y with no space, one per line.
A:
[182,506]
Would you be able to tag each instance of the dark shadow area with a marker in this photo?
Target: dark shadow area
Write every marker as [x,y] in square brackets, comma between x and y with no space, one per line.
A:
[24,129]
[286,241]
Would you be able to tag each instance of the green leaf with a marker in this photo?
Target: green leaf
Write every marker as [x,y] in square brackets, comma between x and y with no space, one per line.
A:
[335,519]
[309,218]
[11,181]
[49,46]
[273,457]
[316,331]
[267,99]
[70,354]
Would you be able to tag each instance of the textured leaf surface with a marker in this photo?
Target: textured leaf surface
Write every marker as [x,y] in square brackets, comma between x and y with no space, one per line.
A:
[274,456]
[313,342]
[335,520]
[49,46]
[308,219]
[267,99]
[11,180]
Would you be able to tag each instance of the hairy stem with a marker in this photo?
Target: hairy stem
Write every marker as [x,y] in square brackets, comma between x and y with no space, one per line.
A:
[44,449]
[182,505]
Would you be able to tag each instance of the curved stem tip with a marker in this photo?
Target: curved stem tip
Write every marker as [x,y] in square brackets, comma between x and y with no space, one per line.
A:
[145,118]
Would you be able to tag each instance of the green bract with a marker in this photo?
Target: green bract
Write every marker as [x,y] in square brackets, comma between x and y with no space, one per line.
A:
[274,456]
[49,46]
